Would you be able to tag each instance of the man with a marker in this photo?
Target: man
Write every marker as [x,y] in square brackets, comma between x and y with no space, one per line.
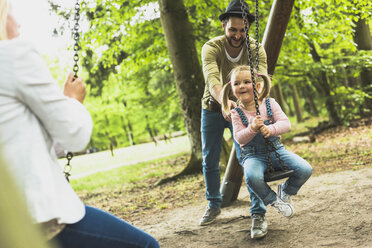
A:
[219,56]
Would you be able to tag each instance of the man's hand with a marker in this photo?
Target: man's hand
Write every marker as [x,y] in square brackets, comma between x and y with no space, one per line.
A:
[74,88]
[232,105]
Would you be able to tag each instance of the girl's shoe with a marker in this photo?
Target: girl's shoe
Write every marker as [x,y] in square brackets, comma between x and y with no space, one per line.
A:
[283,208]
[284,196]
[259,226]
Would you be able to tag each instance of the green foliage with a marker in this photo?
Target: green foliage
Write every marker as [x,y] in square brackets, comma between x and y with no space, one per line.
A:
[350,100]
[329,27]
[130,75]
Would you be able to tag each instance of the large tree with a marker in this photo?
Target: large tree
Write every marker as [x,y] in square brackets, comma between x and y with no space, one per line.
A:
[187,72]
[363,40]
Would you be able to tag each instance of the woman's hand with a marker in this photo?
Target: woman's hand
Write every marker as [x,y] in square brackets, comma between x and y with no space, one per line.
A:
[257,123]
[74,88]
[265,131]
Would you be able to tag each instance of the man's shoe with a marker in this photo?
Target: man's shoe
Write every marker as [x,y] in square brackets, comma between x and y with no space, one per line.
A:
[209,216]
[284,196]
[283,208]
[259,226]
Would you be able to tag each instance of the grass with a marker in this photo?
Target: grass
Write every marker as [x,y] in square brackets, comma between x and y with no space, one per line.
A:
[298,128]
[129,191]
[338,149]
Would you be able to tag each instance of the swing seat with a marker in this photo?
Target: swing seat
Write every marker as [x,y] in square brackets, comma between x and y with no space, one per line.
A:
[277,175]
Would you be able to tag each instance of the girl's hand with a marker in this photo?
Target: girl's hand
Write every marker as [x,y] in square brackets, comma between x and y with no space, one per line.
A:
[257,123]
[265,131]
[74,88]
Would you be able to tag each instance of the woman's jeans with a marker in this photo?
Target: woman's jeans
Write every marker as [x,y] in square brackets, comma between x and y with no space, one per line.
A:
[99,229]
[255,164]
[212,128]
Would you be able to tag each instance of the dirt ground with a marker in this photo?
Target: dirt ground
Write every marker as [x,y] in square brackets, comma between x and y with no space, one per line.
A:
[331,210]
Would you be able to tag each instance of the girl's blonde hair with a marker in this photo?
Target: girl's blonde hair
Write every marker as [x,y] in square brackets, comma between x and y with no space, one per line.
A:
[3,17]
[226,90]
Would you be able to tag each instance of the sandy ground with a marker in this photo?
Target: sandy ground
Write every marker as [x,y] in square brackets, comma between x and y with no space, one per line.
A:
[331,210]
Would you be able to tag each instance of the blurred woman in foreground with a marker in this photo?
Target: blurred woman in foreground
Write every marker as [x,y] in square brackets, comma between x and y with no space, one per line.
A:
[35,116]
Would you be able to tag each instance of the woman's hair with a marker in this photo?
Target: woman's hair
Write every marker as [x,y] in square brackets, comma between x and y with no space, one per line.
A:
[226,90]
[3,17]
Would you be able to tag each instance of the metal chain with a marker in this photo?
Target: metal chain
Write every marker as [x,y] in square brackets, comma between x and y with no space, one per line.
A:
[268,143]
[247,42]
[257,32]
[68,167]
[76,36]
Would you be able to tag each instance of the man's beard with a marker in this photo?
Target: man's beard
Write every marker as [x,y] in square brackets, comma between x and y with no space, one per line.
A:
[229,41]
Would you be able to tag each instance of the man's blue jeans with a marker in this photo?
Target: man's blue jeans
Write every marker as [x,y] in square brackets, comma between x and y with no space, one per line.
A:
[99,229]
[212,128]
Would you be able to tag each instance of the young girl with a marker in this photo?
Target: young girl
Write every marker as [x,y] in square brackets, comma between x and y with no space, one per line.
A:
[250,131]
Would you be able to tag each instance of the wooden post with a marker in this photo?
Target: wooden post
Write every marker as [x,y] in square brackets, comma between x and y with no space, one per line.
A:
[272,42]
[275,31]
[232,181]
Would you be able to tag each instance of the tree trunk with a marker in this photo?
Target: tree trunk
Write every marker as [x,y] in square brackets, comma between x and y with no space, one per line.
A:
[232,180]
[130,133]
[323,84]
[127,130]
[278,95]
[290,110]
[130,129]
[310,100]
[187,72]
[275,30]
[150,130]
[362,37]
[296,103]
[225,154]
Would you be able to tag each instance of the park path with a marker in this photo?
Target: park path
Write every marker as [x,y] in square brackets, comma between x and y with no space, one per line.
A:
[88,164]
[332,210]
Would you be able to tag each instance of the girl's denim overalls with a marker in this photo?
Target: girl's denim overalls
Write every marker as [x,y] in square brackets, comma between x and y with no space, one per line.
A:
[255,164]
